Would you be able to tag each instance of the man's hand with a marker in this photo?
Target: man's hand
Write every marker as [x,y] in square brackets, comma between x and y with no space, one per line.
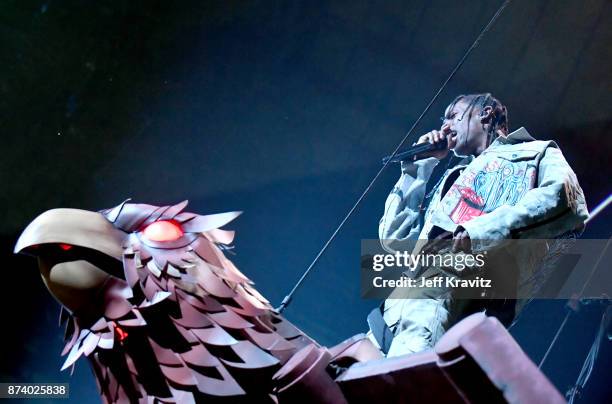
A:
[436,136]
[460,242]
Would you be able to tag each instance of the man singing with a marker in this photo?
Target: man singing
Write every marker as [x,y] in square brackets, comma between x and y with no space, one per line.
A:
[495,186]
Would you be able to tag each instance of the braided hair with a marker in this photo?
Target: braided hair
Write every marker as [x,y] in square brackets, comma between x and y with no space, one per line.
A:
[499,120]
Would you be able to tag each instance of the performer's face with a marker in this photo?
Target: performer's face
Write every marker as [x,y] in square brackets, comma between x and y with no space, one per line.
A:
[470,138]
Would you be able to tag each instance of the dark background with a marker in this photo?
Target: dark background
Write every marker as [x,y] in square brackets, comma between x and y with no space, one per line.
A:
[281,109]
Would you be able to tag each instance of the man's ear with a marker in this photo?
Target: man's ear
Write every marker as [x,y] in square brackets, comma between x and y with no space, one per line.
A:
[486,114]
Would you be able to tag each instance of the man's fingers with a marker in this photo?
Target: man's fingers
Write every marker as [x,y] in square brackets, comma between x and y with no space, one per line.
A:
[457,245]
[425,138]
[445,235]
[437,136]
[430,137]
[462,242]
[451,142]
[434,136]
[421,139]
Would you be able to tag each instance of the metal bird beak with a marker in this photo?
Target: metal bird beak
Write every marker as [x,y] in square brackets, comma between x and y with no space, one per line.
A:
[78,252]
[73,227]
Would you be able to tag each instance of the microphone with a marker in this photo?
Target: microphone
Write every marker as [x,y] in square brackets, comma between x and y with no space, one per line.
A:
[409,153]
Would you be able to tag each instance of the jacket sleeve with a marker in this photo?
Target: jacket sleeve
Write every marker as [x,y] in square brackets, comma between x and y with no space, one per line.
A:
[554,207]
[400,220]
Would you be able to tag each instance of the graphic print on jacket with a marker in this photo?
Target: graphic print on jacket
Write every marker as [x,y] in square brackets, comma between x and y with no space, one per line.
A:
[477,192]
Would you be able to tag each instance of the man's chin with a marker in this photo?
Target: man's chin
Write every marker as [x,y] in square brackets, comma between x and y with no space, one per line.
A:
[461,150]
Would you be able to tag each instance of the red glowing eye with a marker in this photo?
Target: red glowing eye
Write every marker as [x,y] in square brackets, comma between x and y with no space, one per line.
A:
[121,333]
[164,230]
[65,247]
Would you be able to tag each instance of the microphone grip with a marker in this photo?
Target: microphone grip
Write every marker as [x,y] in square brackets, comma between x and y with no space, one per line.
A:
[409,153]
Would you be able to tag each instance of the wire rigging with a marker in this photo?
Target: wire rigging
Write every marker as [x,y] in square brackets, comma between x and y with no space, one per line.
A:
[569,312]
[598,209]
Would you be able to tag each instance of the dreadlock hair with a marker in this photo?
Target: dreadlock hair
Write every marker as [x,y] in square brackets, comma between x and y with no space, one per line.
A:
[499,119]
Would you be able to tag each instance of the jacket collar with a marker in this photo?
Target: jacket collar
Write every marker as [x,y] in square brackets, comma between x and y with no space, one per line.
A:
[518,136]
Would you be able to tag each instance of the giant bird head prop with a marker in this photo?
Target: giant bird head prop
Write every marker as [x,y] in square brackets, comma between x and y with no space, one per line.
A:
[80,252]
